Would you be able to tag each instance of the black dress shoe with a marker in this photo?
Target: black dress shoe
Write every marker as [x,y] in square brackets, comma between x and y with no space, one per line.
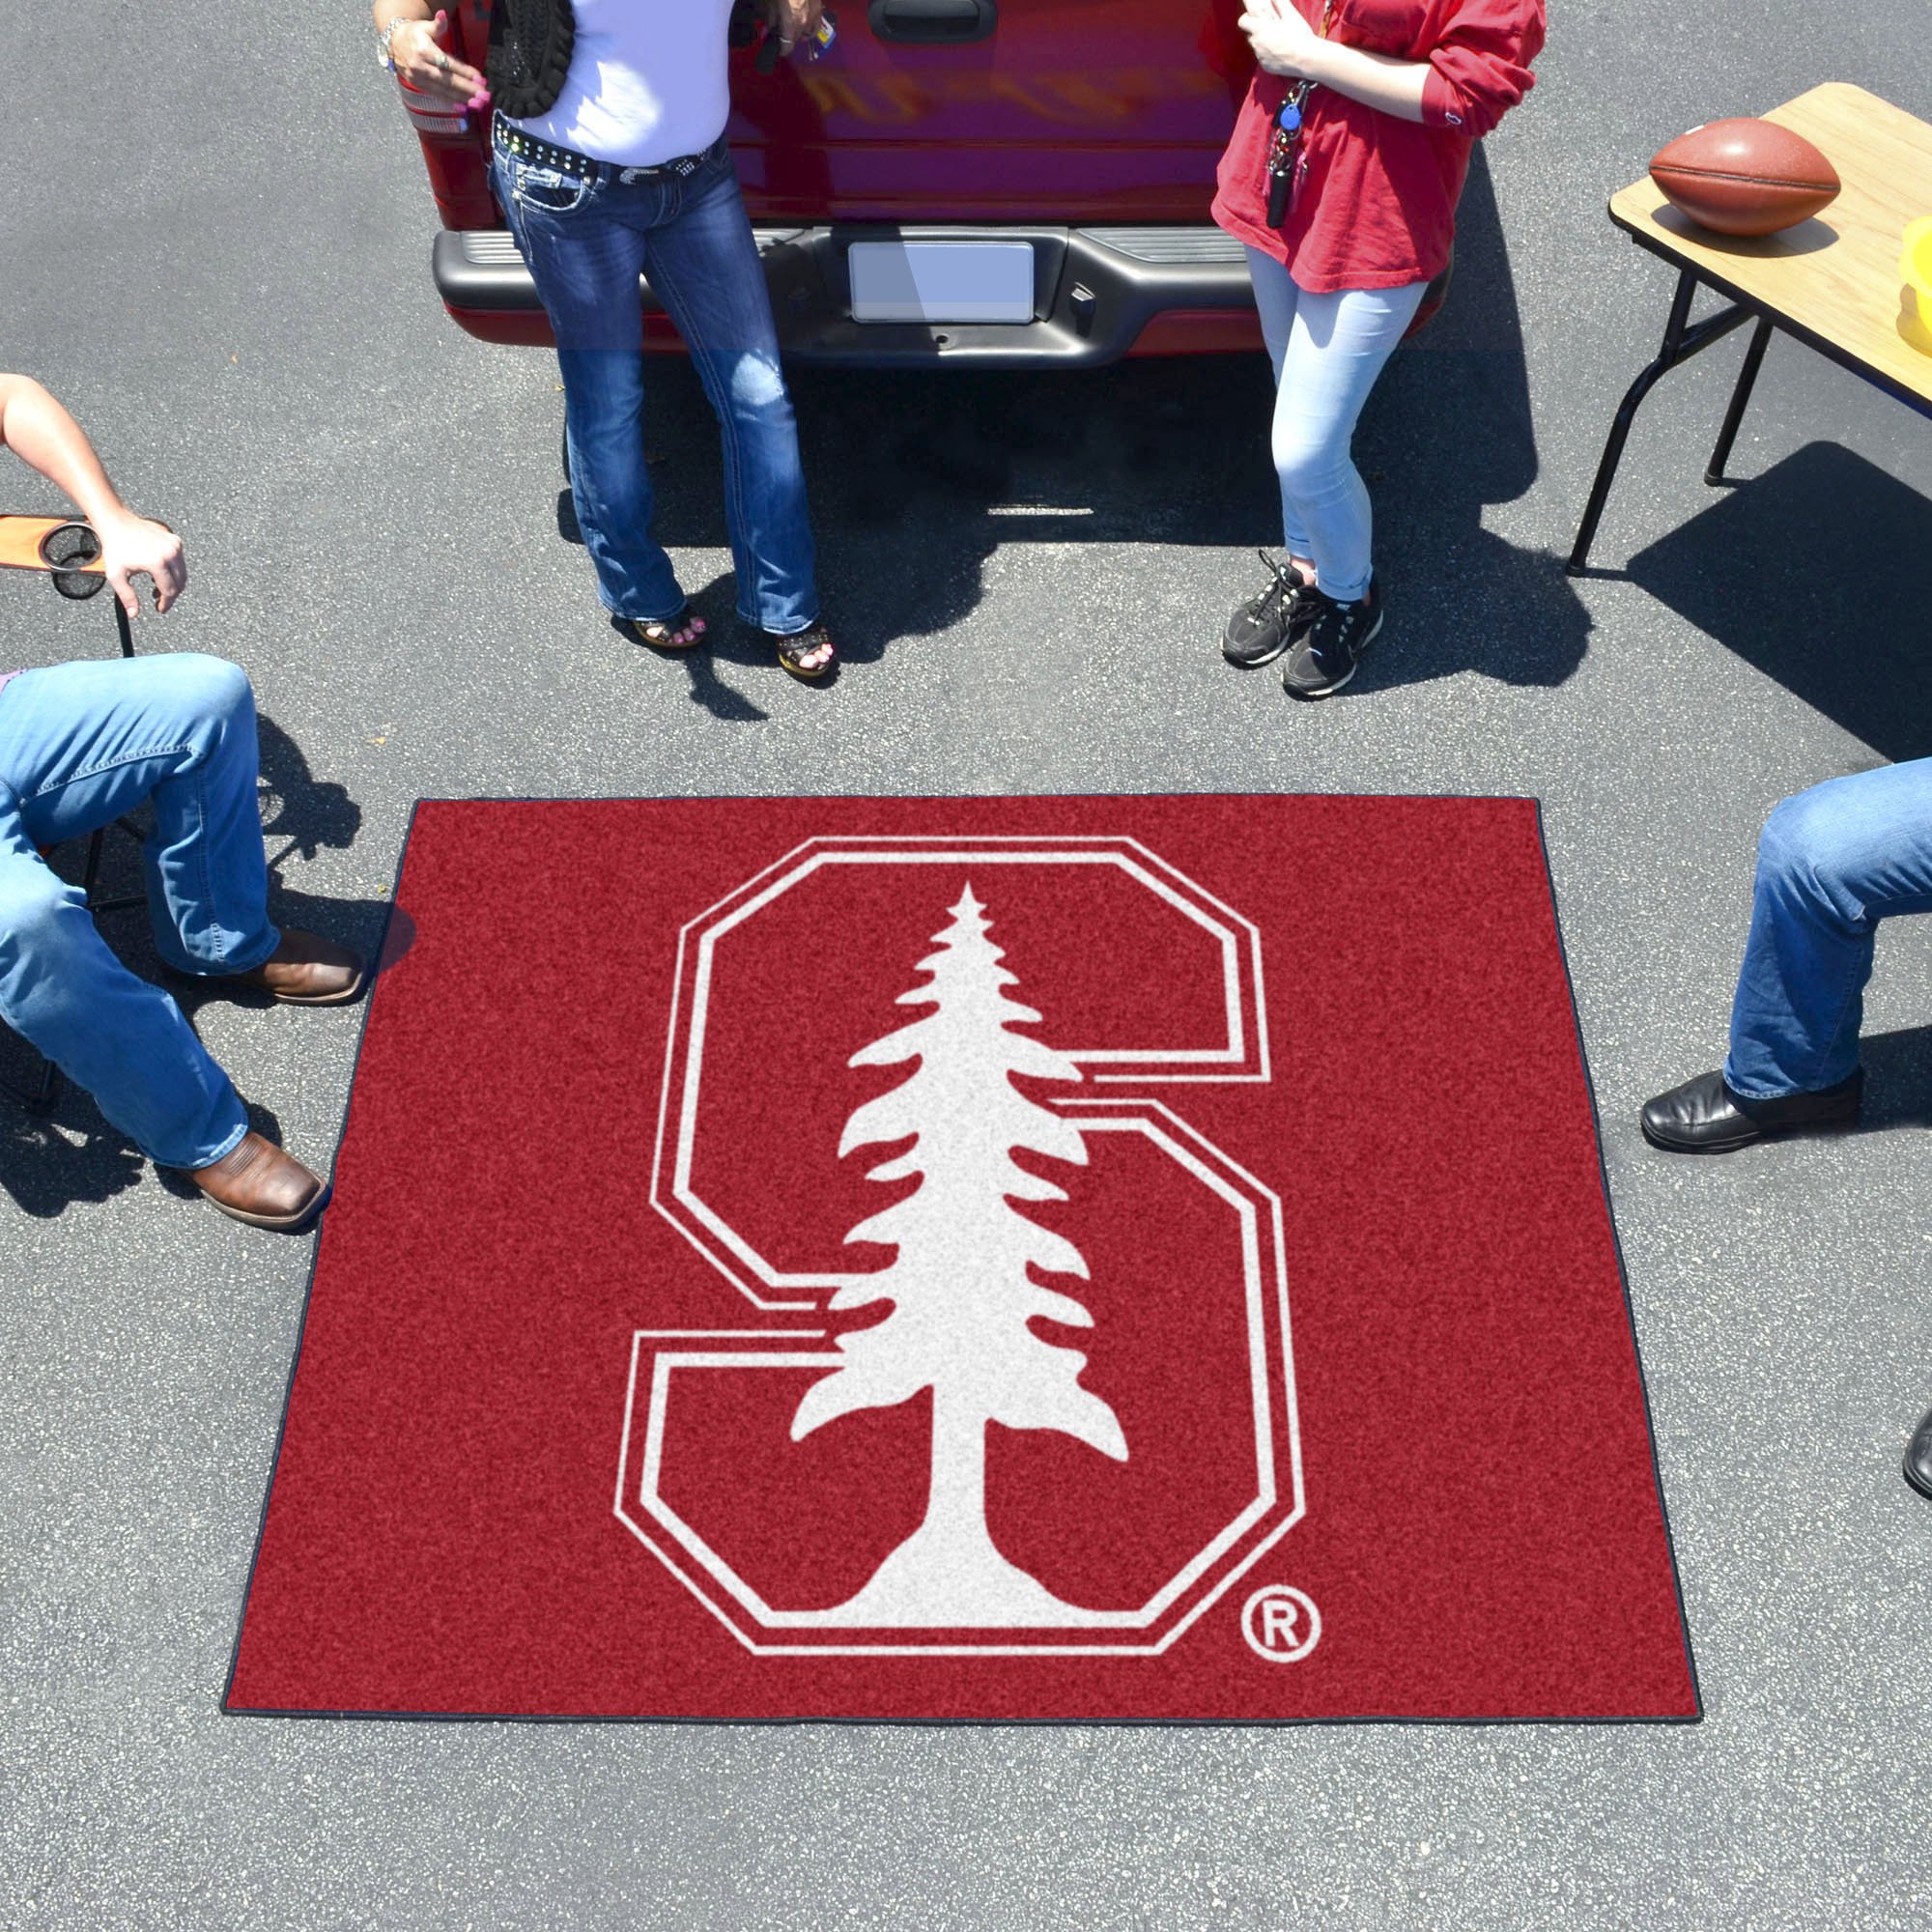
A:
[1703,1115]
[1918,1456]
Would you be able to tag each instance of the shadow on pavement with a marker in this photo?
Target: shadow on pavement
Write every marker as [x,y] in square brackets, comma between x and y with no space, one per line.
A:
[48,1164]
[726,640]
[308,812]
[1898,1079]
[1448,432]
[917,476]
[1844,635]
[726,637]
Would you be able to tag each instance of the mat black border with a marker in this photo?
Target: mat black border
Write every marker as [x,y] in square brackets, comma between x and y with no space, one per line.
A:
[1695,1716]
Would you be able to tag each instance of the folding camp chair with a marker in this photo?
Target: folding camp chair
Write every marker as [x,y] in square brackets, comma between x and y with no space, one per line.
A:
[69,554]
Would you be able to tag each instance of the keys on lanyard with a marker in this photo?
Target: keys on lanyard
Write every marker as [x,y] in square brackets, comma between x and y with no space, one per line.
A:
[1282,145]
[1287,136]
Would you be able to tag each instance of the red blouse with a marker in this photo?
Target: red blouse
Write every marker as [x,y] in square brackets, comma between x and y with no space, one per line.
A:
[1374,197]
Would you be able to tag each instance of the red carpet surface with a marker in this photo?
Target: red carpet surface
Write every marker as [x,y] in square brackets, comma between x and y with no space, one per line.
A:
[1086,1258]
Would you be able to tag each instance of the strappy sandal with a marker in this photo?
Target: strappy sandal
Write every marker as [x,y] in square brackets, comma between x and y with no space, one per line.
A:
[661,632]
[794,648]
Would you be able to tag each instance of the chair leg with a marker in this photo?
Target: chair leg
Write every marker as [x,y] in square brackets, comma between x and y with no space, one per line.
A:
[126,825]
[128,900]
[47,1096]
[91,872]
[43,1096]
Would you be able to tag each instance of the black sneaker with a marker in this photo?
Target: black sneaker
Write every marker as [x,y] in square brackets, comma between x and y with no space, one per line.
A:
[1264,626]
[1325,656]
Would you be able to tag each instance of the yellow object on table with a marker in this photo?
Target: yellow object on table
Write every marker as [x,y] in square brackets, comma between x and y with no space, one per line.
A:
[1831,282]
[1832,279]
[1914,313]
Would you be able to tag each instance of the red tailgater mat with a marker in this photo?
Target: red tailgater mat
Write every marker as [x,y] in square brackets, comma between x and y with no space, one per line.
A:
[979,1258]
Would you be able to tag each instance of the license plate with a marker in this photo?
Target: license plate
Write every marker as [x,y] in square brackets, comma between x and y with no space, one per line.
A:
[941,281]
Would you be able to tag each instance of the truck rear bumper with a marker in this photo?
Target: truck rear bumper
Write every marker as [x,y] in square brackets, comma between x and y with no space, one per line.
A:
[1099,292]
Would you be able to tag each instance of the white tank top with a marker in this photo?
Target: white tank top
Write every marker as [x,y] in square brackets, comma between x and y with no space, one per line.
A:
[646,81]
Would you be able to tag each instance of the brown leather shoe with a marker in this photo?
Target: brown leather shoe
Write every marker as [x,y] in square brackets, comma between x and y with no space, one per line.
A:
[306,970]
[257,1183]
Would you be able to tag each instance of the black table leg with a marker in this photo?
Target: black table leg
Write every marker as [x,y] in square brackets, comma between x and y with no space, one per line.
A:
[1681,340]
[1713,473]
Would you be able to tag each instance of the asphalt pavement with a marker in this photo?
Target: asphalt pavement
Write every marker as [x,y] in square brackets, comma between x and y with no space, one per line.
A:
[214,246]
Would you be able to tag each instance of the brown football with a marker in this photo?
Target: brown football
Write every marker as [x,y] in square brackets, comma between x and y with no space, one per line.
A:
[1745,177]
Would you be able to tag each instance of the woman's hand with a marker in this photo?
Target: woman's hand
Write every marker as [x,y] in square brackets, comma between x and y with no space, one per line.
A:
[794,22]
[131,547]
[421,59]
[1284,43]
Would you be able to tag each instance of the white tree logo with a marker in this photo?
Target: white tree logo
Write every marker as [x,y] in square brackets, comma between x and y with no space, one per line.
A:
[960,1291]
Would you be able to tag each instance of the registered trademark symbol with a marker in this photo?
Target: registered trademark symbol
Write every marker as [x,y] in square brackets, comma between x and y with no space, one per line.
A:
[1281,1623]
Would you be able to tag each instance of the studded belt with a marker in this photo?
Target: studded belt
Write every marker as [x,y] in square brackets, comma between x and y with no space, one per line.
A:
[567,160]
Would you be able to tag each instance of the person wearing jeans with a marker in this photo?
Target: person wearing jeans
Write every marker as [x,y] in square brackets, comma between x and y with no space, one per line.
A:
[1327,351]
[82,745]
[608,160]
[1831,864]
[1341,179]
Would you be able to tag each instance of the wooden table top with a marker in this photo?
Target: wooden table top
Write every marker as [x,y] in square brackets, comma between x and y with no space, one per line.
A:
[1834,278]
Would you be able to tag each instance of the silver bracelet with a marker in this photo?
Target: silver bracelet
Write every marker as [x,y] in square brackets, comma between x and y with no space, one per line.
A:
[389,33]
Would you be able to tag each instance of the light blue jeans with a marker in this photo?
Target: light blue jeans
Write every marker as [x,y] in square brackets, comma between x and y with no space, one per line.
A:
[587,241]
[1327,352]
[81,744]
[1832,862]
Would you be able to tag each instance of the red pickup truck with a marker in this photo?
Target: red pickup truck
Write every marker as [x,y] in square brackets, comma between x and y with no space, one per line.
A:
[1069,144]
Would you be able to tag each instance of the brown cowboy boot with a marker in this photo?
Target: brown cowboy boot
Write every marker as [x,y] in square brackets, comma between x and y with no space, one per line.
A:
[255,1182]
[306,970]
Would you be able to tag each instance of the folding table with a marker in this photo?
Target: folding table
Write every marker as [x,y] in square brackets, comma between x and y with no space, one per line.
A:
[1832,282]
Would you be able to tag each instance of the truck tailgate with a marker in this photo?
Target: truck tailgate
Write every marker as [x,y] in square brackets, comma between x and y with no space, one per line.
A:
[1065,111]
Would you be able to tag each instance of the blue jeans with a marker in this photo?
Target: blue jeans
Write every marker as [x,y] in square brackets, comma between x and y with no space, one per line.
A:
[587,241]
[81,744]
[1832,862]
[1327,352]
